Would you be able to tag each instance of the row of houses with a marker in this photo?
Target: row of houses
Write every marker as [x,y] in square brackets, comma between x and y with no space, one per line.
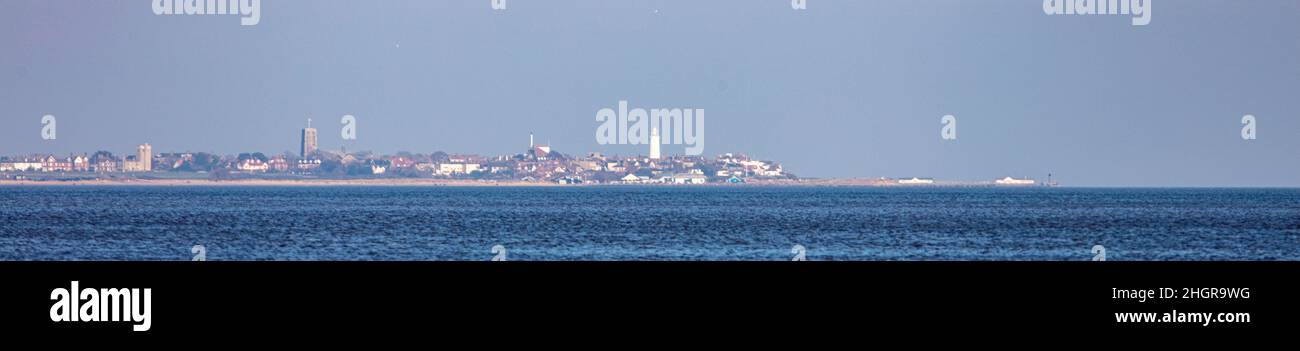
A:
[67,164]
[537,163]
[277,164]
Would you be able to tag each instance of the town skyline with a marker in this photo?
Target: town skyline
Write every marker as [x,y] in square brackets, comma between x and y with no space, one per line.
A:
[538,163]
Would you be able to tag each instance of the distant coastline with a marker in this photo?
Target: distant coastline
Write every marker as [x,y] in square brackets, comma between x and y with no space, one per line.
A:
[358,182]
[465,182]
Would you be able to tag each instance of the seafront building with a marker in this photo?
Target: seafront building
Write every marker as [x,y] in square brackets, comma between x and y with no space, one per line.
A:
[1014,181]
[142,161]
[654,143]
[253,165]
[916,181]
[308,143]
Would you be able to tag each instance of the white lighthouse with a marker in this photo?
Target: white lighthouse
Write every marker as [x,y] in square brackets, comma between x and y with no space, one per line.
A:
[654,143]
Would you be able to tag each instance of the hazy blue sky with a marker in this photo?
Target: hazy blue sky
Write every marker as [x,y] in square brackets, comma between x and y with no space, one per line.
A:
[843,89]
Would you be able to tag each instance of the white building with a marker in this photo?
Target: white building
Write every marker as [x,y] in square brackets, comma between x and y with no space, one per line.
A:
[689,179]
[1013,181]
[20,166]
[457,168]
[916,181]
[252,165]
[654,143]
[773,171]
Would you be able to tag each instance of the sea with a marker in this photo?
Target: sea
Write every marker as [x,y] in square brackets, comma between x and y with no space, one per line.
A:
[670,223]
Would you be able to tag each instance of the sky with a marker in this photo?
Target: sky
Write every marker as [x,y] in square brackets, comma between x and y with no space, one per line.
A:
[843,88]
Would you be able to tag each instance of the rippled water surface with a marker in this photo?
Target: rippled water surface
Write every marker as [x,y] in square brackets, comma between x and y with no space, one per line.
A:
[645,223]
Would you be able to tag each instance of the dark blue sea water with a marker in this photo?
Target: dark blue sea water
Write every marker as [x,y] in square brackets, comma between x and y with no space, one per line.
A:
[646,223]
